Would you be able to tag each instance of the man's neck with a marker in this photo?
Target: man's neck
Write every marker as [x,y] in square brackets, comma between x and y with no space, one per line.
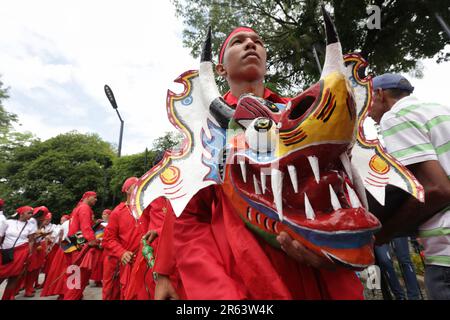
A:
[238,89]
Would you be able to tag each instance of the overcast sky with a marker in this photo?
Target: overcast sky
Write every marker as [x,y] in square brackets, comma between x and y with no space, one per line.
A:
[56,56]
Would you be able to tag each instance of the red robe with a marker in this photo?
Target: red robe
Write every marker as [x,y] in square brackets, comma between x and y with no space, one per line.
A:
[158,216]
[219,258]
[87,257]
[122,234]
[56,277]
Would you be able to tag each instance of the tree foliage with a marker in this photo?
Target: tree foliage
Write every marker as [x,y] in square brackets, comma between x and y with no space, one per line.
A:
[292,28]
[56,172]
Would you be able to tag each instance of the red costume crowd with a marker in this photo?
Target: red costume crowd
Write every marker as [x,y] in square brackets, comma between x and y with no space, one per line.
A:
[206,253]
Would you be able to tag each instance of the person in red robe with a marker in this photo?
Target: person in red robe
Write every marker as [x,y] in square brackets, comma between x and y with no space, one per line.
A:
[56,277]
[167,278]
[17,234]
[216,255]
[122,236]
[87,257]
[111,265]
[37,260]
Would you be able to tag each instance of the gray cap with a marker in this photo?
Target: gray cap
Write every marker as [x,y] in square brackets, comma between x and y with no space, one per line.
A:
[392,81]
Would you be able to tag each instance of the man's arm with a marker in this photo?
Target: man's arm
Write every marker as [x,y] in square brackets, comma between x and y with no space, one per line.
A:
[85,216]
[111,237]
[413,213]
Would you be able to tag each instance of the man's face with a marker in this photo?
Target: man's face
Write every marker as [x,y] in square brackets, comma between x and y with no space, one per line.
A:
[105,217]
[378,109]
[245,57]
[92,200]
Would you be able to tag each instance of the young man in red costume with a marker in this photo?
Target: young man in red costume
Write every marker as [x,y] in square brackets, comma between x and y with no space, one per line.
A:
[111,267]
[217,256]
[122,236]
[87,257]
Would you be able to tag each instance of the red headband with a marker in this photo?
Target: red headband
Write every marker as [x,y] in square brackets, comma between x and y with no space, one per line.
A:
[107,212]
[88,194]
[2,203]
[227,39]
[24,209]
[128,183]
[41,208]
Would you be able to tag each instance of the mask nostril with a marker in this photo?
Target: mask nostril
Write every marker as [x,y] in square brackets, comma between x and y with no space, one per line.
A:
[301,107]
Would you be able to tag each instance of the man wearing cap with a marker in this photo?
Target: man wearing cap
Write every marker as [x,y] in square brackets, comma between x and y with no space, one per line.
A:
[418,135]
[88,256]
[234,264]
[121,240]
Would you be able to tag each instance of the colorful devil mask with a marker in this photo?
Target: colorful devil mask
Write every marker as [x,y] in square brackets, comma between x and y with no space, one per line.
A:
[287,167]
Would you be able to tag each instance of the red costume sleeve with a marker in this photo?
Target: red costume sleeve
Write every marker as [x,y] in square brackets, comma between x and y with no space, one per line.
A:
[85,215]
[198,258]
[165,259]
[111,241]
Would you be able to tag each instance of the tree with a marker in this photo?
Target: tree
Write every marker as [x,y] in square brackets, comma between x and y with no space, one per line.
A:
[56,172]
[168,141]
[291,28]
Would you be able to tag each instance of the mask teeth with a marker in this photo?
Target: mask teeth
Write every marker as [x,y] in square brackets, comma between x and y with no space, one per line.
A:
[243,170]
[347,166]
[277,190]
[354,200]
[334,199]
[256,185]
[293,175]
[263,181]
[314,163]
[309,211]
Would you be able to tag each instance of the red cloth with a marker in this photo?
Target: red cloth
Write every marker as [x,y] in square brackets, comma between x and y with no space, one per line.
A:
[111,281]
[55,280]
[219,258]
[122,234]
[268,95]
[37,260]
[82,220]
[17,266]
[97,272]
[158,216]
[165,261]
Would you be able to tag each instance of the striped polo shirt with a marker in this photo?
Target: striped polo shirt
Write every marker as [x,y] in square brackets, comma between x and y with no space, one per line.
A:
[415,132]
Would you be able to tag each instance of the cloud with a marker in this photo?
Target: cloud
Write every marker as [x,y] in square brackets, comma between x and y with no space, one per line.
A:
[57,55]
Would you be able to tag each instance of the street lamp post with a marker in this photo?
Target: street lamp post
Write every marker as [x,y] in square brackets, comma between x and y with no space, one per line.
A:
[112,100]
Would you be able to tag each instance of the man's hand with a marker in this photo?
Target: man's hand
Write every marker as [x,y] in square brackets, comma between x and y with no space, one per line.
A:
[164,289]
[93,243]
[299,252]
[150,236]
[127,257]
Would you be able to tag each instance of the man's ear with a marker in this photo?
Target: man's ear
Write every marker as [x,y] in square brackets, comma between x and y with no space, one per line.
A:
[221,71]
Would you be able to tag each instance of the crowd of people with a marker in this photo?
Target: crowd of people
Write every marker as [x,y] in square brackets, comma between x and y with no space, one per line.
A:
[207,252]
